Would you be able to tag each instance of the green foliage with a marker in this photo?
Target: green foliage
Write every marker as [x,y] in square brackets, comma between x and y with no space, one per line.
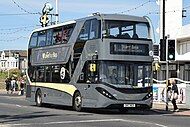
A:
[13,73]
[16,73]
[3,75]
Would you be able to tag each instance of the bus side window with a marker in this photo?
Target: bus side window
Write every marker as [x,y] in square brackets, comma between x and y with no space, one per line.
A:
[31,73]
[55,73]
[40,75]
[49,37]
[95,29]
[65,35]
[48,73]
[41,38]
[57,35]
[33,40]
[84,33]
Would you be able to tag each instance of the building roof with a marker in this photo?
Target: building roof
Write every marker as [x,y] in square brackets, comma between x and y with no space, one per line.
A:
[22,53]
[184,33]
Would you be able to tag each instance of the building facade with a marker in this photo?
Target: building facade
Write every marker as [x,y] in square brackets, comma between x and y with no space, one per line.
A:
[183,52]
[180,67]
[13,59]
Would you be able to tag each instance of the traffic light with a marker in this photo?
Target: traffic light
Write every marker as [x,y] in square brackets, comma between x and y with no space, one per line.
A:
[44,20]
[162,49]
[157,67]
[171,49]
[156,50]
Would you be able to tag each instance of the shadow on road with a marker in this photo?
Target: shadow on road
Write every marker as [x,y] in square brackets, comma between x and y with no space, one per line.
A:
[13,118]
[110,111]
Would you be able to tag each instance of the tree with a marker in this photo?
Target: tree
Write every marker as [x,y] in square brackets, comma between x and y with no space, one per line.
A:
[16,73]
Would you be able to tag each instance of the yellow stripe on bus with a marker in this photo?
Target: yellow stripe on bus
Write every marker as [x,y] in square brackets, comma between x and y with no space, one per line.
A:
[68,88]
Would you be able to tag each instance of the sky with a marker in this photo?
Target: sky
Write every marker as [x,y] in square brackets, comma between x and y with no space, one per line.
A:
[19,17]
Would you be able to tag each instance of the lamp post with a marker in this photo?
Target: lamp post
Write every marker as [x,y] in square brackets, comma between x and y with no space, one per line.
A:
[56,12]
[166,47]
[9,65]
[44,20]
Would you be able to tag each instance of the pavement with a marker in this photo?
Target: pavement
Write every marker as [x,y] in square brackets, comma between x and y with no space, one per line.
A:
[159,107]
[15,94]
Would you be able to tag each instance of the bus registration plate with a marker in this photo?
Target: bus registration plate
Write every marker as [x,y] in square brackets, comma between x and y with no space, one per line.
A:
[129,105]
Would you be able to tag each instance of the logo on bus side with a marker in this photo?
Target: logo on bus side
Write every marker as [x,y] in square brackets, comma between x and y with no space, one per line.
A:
[48,55]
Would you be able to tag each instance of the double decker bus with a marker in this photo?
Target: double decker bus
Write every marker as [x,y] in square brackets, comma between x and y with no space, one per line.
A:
[101,61]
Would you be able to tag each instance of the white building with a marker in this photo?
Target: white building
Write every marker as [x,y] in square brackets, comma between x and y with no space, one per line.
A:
[183,44]
[173,17]
[13,59]
[180,68]
[183,52]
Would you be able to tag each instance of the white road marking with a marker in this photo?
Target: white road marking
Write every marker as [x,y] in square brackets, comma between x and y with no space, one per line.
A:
[8,104]
[4,125]
[18,105]
[143,122]
[87,121]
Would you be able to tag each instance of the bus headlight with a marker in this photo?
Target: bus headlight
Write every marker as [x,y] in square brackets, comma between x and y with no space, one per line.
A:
[105,93]
[149,95]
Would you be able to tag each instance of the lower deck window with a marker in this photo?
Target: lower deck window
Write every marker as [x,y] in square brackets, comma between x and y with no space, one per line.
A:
[52,73]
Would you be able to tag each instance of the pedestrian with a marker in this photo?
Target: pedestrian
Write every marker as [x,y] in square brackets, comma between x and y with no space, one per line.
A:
[175,94]
[8,84]
[22,85]
[13,85]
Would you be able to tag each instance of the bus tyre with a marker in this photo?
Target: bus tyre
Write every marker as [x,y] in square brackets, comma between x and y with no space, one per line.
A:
[77,102]
[39,98]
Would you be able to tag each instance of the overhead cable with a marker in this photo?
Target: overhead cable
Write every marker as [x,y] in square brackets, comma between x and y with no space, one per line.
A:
[139,6]
[25,9]
[10,40]
[16,28]
[14,14]
[14,32]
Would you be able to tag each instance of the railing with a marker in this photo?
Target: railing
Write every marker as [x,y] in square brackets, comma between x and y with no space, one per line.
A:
[177,79]
[159,90]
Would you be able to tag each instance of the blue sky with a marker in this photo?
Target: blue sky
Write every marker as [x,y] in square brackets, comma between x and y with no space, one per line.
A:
[15,29]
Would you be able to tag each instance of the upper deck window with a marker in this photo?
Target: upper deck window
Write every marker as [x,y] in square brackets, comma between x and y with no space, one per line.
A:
[90,30]
[94,29]
[33,40]
[125,30]
[67,31]
[62,34]
[84,33]
[49,37]
[41,38]
[57,35]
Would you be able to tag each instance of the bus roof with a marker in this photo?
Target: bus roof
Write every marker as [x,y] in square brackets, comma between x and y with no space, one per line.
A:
[53,26]
[123,17]
[120,17]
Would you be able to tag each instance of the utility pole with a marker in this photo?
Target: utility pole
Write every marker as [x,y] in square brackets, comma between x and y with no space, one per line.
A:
[165,40]
[57,12]
[9,65]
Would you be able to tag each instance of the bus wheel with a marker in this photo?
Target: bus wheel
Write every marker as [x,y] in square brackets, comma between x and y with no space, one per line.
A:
[39,98]
[77,102]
